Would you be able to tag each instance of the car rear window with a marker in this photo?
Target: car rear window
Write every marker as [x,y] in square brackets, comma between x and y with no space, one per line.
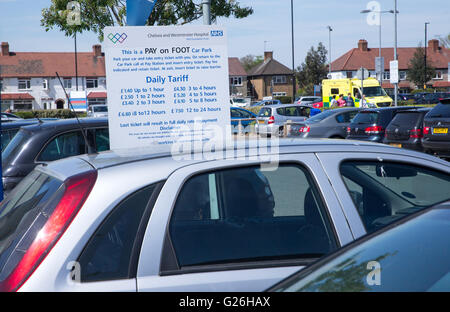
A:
[406,119]
[25,210]
[100,108]
[440,110]
[14,146]
[265,112]
[366,117]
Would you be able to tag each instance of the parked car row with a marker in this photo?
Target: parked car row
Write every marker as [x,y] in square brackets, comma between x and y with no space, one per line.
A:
[412,127]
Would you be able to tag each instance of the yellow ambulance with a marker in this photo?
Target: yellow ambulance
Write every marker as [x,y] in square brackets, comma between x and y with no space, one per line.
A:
[373,92]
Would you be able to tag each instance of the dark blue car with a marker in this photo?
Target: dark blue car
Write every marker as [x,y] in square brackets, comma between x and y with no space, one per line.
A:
[245,117]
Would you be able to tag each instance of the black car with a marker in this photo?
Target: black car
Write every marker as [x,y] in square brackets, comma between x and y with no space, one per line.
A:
[370,124]
[9,129]
[406,96]
[331,123]
[49,141]
[436,130]
[410,255]
[406,129]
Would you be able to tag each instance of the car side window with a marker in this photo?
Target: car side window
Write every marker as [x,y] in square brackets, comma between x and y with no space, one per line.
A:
[235,113]
[108,254]
[384,192]
[245,214]
[102,139]
[64,145]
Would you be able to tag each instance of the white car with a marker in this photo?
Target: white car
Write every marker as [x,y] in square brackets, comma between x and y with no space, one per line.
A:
[98,110]
[238,102]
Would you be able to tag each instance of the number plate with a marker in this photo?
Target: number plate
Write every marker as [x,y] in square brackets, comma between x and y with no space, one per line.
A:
[440,130]
[396,145]
[261,121]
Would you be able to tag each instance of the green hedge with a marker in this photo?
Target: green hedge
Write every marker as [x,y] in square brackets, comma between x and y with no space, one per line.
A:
[284,99]
[49,113]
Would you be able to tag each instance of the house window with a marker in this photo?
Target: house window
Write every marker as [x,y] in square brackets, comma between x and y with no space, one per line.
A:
[91,83]
[279,79]
[279,94]
[236,81]
[402,75]
[386,75]
[21,105]
[45,84]
[68,83]
[349,74]
[24,84]
[438,75]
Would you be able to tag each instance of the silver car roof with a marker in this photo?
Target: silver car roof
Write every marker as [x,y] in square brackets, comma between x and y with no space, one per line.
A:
[107,159]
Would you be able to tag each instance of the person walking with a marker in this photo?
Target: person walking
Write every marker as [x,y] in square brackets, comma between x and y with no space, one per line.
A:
[364,102]
[350,102]
[333,102]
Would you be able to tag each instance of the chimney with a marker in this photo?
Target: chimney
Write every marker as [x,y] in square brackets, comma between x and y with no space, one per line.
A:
[268,55]
[362,45]
[5,49]
[97,49]
[433,44]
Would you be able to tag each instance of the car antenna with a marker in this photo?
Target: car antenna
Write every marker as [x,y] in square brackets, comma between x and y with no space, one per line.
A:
[37,117]
[91,149]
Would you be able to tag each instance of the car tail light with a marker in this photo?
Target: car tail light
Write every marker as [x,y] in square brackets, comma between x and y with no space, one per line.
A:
[348,130]
[304,129]
[271,120]
[426,130]
[76,191]
[415,133]
[374,130]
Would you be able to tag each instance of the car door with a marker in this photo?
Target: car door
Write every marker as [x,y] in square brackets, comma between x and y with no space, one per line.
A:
[376,189]
[233,226]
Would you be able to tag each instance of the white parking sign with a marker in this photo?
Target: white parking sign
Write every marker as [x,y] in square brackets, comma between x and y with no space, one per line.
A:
[165,84]
[393,71]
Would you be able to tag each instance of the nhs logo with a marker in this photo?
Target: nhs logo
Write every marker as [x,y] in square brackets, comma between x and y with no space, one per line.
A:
[216,33]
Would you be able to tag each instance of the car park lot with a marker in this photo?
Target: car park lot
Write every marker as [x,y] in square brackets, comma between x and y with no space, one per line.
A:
[209,223]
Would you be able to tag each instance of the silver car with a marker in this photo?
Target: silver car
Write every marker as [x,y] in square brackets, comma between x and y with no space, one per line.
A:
[97,110]
[271,119]
[216,222]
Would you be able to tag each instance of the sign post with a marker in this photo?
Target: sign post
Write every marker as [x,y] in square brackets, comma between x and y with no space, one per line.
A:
[166,84]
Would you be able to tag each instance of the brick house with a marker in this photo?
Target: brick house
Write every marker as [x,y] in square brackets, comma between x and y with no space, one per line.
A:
[238,78]
[363,56]
[270,78]
[28,79]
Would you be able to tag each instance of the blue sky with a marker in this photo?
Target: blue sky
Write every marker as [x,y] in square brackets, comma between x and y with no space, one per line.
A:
[269,26]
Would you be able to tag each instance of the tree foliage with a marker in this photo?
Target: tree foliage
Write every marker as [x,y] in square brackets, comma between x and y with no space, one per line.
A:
[313,70]
[417,73]
[250,61]
[96,14]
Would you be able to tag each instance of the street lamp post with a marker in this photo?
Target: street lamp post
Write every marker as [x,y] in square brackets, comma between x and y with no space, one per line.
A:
[293,65]
[425,59]
[395,50]
[329,48]
[380,73]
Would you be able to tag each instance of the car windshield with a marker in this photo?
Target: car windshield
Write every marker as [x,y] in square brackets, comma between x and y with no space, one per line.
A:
[14,146]
[440,110]
[413,256]
[374,91]
[321,116]
[100,109]
[239,101]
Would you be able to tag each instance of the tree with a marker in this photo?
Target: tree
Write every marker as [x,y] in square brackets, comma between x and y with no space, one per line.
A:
[417,73]
[445,41]
[96,14]
[250,61]
[313,70]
